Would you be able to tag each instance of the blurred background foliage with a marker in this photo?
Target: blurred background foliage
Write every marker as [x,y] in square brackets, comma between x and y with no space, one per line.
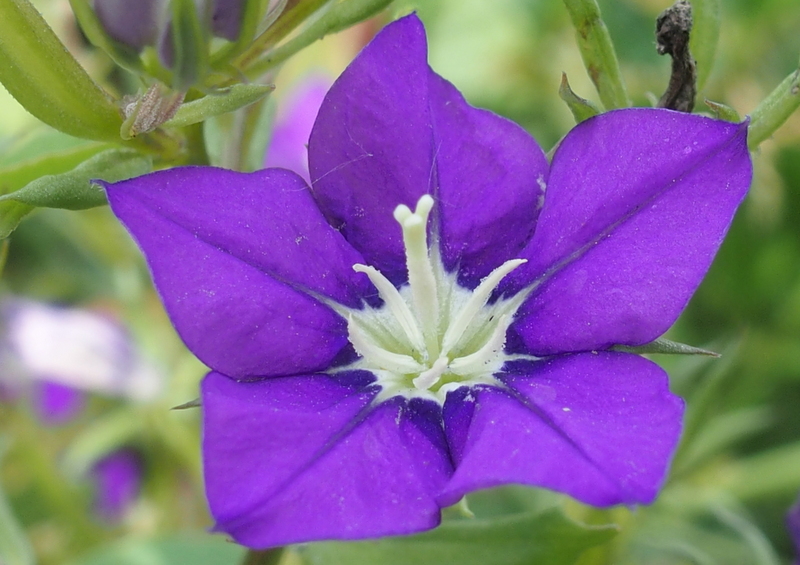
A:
[738,469]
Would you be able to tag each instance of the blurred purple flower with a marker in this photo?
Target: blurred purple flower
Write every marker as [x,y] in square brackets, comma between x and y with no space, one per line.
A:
[57,403]
[362,378]
[288,147]
[117,478]
[55,354]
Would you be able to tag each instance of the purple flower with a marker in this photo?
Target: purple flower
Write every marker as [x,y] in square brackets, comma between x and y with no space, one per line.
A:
[425,320]
[56,352]
[117,478]
[288,146]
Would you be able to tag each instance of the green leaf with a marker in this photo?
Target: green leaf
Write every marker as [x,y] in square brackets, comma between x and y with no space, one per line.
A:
[74,190]
[597,51]
[665,346]
[20,174]
[14,546]
[705,36]
[546,538]
[175,550]
[228,100]
[774,110]
[40,73]
[581,108]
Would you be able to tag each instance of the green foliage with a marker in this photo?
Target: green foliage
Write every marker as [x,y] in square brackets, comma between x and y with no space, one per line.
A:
[74,190]
[546,538]
[41,74]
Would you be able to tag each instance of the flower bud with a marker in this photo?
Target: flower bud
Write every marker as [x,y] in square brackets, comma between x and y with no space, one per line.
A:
[134,24]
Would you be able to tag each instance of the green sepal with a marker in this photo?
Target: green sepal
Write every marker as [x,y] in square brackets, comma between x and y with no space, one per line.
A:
[74,189]
[723,112]
[705,36]
[228,100]
[665,346]
[774,110]
[597,51]
[123,55]
[190,404]
[47,81]
[17,175]
[190,44]
[581,108]
[521,539]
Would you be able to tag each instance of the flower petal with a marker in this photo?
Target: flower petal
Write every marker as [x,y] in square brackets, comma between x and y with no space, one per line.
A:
[235,257]
[637,205]
[305,458]
[491,176]
[371,146]
[391,130]
[599,427]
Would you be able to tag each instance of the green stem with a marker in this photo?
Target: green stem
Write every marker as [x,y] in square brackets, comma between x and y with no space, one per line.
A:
[598,53]
[266,557]
[292,16]
[341,16]
[774,110]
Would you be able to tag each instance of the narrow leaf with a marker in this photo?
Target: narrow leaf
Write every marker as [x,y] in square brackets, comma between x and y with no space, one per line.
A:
[233,98]
[774,110]
[74,190]
[665,346]
[598,52]
[20,174]
[341,15]
[41,74]
[581,108]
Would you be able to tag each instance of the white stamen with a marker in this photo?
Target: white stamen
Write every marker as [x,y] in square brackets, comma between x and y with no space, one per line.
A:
[477,301]
[427,379]
[477,362]
[383,359]
[421,278]
[397,306]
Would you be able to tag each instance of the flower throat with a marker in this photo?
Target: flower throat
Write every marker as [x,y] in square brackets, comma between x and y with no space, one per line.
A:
[432,335]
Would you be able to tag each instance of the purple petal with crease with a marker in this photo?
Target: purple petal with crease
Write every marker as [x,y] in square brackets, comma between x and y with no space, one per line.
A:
[491,174]
[371,146]
[234,257]
[599,427]
[391,130]
[308,457]
[628,230]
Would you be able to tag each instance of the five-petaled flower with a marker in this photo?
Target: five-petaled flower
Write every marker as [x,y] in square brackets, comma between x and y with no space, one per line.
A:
[436,312]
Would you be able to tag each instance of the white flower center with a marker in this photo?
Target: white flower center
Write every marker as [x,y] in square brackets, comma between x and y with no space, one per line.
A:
[432,335]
